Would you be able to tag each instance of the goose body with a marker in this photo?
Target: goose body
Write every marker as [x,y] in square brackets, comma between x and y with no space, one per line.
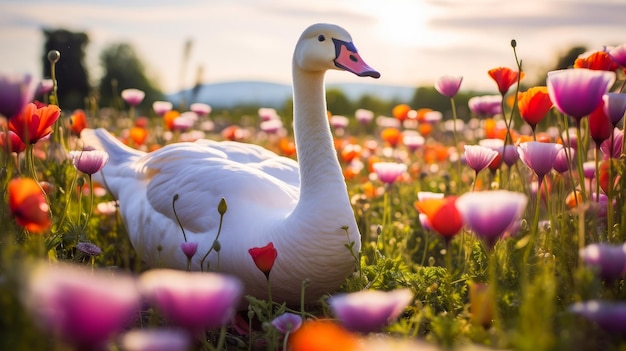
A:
[302,208]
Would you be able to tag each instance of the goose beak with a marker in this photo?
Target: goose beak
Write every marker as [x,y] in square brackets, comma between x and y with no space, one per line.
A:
[347,58]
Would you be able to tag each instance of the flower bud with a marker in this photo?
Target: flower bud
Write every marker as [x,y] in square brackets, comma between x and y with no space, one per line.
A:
[54,56]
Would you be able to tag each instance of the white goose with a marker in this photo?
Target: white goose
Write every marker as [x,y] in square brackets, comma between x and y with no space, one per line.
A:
[301,210]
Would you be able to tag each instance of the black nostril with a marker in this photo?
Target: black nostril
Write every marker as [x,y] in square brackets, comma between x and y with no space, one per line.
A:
[353,58]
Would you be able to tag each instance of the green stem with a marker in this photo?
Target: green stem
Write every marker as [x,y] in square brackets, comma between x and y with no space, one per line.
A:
[579,154]
[456,143]
[269,298]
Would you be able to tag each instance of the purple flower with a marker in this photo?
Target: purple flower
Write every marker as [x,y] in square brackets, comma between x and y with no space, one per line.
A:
[287,322]
[589,169]
[479,157]
[89,161]
[561,162]
[200,109]
[339,122]
[539,156]
[486,105]
[160,339]
[15,92]
[388,172]
[577,92]
[161,107]
[609,315]
[195,301]
[45,86]
[369,310]
[510,155]
[610,260]
[82,307]
[133,97]
[618,54]
[88,249]
[615,150]
[413,140]
[491,213]
[448,85]
[364,116]
[614,106]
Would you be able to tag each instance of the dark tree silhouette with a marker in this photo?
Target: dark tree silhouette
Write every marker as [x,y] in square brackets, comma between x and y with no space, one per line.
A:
[122,70]
[71,75]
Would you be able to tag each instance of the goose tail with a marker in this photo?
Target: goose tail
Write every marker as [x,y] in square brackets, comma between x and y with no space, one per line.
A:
[101,139]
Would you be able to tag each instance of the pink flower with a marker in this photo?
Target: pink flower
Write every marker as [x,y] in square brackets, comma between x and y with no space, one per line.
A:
[388,172]
[15,92]
[539,156]
[133,97]
[614,106]
[89,161]
[615,150]
[200,108]
[479,157]
[159,339]
[369,310]
[364,116]
[448,85]
[561,162]
[490,214]
[618,54]
[577,92]
[161,107]
[287,322]
[486,105]
[189,248]
[82,307]
[195,301]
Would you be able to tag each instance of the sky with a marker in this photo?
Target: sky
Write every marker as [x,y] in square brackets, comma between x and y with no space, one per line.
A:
[411,42]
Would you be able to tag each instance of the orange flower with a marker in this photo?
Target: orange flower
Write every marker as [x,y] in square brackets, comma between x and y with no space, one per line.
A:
[323,335]
[350,151]
[442,215]
[490,128]
[264,258]
[604,175]
[599,61]
[425,129]
[504,77]
[391,135]
[401,112]
[534,104]
[420,114]
[78,121]
[34,123]
[287,147]
[138,135]
[169,117]
[28,205]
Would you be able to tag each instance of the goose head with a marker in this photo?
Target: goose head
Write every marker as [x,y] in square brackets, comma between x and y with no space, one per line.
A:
[326,46]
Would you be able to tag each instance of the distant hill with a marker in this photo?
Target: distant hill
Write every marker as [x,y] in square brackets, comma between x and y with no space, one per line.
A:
[228,94]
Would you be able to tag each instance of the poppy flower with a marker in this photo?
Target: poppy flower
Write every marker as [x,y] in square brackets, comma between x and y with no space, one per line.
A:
[195,301]
[78,121]
[14,144]
[89,161]
[561,162]
[161,107]
[539,156]
[442,214]
[401,112]
[264,258]
[614,106]
[618,54]
[369,310]
[287,322]
[156,339]
[577,92]
[138,135]
[15,92]
[490,214]
[28,205]
[323,335]
[34,123]
[609,315]
[364,116]
[533,105]
[613,150]
[610,260]
[448,85]
[388,172]
[485,105]
[599,61]
[133,97]
[504,78]
[391,135]
[85,308]
[200,109]
[479,157]
[600,126]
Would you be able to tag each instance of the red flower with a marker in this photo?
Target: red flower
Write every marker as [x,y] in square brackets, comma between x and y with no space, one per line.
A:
[78,122]
[28,205]
[504,77]
[14,144]
[599,61]
[534,104]
[34,123]
[264,258]
[442,215]
[600,125]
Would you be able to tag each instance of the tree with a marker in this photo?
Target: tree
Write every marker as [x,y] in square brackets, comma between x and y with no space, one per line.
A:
[123,70]
[71,75]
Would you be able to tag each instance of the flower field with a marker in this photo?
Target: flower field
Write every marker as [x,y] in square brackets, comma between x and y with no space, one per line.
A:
[500,228]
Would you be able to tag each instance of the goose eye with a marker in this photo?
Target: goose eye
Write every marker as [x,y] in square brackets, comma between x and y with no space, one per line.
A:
[321,38]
